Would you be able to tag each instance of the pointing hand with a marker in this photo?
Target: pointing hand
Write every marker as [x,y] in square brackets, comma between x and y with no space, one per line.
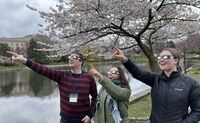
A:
[119,54]
[94,72]
[17,57]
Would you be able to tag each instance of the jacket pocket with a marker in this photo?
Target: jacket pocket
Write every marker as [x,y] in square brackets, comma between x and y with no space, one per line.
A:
[177,95]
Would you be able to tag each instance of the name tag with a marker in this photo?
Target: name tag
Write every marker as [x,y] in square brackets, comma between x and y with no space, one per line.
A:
[73,97]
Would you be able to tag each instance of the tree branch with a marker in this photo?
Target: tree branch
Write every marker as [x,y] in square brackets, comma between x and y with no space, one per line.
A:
[159,7]
[150,17]
[124,48]
[90,30]
[182,3]
[124,31]
[100,36]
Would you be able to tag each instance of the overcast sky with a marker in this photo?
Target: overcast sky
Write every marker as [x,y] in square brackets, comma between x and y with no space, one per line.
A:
[16,20]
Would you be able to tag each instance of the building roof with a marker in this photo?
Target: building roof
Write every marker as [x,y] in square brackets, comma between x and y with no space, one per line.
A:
[23,39]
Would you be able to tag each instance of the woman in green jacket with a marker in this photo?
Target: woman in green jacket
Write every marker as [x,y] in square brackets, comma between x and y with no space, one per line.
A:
[113,98]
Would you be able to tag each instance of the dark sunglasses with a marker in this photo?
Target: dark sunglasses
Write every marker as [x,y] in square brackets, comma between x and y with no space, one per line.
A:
[165,57]
[74,57]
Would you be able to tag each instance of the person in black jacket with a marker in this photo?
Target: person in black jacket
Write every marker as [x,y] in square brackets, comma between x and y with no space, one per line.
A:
[172,92]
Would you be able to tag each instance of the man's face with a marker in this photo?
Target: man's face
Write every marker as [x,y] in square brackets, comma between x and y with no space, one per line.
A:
[74,60]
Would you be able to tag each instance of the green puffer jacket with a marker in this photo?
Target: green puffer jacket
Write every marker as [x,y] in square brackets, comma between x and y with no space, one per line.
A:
[120,94]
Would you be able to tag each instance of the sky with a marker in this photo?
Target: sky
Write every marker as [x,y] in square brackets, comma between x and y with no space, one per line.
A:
[16,20]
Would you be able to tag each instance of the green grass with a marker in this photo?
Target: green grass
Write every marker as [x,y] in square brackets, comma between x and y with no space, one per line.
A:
[139,58]
[141,108]
[192,55]
[195,73]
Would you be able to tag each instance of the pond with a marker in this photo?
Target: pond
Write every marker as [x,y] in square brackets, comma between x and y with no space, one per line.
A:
[26,97]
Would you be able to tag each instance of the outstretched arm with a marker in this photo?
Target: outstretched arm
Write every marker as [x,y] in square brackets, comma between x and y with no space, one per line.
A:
[144,76]
[45,71]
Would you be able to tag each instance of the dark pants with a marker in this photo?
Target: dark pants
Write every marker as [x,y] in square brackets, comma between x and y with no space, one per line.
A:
[70,120]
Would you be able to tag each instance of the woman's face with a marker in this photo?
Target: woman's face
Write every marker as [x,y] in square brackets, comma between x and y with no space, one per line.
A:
[113,73]
[166,61]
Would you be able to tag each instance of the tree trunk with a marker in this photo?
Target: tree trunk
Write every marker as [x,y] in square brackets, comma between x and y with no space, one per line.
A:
[153,63]
[150,55]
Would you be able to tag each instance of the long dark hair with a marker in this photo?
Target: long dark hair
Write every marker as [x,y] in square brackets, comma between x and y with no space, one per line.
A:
[122,78]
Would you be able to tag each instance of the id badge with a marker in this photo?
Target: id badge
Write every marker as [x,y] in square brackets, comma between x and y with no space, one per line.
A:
[73,97]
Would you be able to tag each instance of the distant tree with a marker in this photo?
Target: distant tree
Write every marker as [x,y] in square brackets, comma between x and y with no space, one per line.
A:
[194,43]
[39,56]
[190,45]
[184,48]
[3,49]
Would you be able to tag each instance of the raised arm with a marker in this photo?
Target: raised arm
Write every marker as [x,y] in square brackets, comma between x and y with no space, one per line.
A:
[142,75]
[45,71]
[111,88]
[114,90]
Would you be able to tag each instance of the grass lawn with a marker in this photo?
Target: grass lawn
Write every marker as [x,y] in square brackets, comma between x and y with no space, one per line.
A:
[142,108]
[139,58]
[192,55]
[195,73]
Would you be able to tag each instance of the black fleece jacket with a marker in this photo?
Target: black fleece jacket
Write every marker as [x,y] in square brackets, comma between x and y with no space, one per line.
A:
[171,96]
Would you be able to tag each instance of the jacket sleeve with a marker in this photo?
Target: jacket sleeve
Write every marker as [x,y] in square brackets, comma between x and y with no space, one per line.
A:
[93,93]
[144,76]
[114,90]
[45,71]
[194,102]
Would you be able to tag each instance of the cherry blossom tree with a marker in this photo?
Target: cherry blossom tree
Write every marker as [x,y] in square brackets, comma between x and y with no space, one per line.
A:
[122,23]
